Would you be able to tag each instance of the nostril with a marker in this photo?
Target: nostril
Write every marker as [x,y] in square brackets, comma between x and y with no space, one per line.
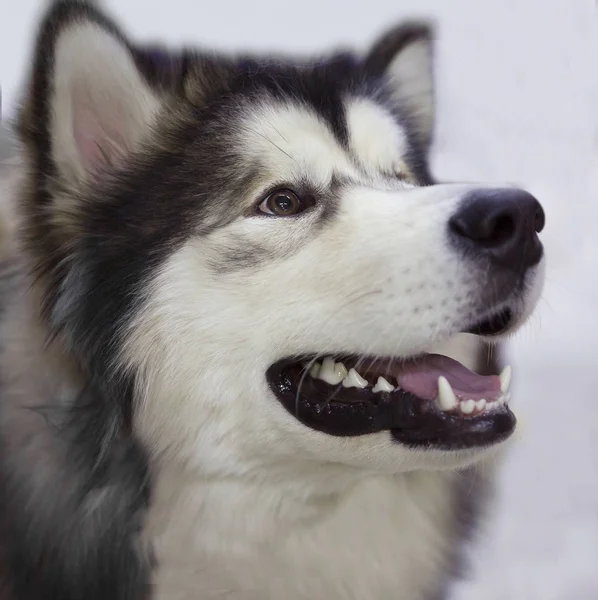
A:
[458,226]
[501,229]
[485,229]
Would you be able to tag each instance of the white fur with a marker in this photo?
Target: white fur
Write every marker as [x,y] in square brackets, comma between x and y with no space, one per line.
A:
[291,537]
[377,140]
[290,139]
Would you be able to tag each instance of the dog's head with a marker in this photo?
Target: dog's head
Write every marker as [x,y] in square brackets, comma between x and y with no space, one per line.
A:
[256,249]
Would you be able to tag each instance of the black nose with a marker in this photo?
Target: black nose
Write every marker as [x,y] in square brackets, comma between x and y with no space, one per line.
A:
[501,224]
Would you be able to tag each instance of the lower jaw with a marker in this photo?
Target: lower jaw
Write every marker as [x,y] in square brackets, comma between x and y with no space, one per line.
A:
[411,421]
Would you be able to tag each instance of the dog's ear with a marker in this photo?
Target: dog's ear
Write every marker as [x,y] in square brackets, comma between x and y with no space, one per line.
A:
[89,104]
[404,58]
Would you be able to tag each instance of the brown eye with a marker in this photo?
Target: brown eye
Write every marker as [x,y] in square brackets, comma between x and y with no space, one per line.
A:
[282,203]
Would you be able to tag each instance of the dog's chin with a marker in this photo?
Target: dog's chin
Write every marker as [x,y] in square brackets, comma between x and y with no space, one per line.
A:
[426,402]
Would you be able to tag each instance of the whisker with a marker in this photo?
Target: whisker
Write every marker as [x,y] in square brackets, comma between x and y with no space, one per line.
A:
[265,137]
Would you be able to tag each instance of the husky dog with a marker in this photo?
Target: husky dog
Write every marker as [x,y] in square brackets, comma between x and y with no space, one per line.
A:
[220,368]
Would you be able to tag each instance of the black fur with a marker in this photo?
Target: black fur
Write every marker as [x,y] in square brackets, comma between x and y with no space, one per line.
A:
[82,539]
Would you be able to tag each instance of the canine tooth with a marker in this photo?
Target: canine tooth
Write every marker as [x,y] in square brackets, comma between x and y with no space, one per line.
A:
[383,386]
[331,372]
[315,370]
[354,379]
[480,405]
[505,379]
[446,397]
[467,406]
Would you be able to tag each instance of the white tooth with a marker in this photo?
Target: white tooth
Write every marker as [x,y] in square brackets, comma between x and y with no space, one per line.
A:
[446,397]
[340,370]
[331,372]
[480,405]
[315,370]
[327,369]
[505,379]
[467,406]
[354,379]
[383,386]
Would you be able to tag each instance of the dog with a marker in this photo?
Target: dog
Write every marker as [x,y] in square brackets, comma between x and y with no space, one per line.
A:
[246,336]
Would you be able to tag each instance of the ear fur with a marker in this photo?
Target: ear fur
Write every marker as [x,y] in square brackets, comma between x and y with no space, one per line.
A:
[89,105]
[404,57]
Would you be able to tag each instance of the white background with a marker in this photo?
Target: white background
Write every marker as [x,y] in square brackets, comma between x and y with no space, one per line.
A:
[517,103]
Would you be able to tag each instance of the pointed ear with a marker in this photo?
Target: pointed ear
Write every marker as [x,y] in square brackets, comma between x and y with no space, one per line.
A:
[404,58]
[89,103]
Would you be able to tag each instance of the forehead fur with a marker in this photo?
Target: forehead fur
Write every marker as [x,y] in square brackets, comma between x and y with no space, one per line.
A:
[292,141]
[325,117]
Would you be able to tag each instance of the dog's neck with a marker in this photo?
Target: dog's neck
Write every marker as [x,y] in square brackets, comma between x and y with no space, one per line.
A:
[249,537]
[284,499]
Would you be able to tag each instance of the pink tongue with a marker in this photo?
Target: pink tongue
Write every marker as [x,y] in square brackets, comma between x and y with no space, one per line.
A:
[421,379]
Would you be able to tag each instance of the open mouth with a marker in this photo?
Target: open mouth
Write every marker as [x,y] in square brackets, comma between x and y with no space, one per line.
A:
[427,400]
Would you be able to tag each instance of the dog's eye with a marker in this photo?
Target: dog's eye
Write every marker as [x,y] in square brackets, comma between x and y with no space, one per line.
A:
[283,203]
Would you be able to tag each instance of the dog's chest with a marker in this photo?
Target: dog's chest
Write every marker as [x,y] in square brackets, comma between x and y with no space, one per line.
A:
[389,539]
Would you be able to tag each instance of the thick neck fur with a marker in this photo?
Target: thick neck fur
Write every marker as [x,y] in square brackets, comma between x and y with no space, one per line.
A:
[374,537]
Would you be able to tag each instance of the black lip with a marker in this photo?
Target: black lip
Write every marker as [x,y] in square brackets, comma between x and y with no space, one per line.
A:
[495,324]
[411,421]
